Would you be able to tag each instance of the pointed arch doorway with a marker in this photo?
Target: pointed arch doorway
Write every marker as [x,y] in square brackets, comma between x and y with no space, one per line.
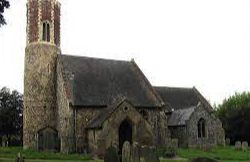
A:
[125,133]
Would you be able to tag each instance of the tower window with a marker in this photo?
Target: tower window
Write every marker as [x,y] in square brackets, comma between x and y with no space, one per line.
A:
[201,128]
[46,31]
[48,68]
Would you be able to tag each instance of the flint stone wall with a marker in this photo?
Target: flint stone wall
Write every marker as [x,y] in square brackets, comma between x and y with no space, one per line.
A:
[180,133]
[83,116]
[65,120]
[187,135]
[39,91]
[142,132]
[214,133]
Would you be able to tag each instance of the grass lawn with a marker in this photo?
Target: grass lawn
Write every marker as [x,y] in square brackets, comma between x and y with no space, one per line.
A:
[223,154]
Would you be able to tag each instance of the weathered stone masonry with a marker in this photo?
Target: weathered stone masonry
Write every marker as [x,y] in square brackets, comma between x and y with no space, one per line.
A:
[84,104]
[39,92]
[40,70]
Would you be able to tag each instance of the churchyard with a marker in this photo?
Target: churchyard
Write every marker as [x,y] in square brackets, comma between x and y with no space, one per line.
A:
[222,154]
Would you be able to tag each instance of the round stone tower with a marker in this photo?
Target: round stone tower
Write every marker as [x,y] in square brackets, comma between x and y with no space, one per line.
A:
[43,47]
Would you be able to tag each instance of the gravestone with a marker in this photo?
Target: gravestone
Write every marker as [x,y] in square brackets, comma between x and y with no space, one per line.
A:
[150,154]
[174,144]
[227,141]
[244,145]
[19,158]
[238,145]
[101,143]
[203,159]
[126,152]
[171,149]
[111,155]
[4,141]
[135,153]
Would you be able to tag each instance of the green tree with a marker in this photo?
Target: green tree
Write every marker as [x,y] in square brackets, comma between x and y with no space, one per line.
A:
[234,113]
[3,4]
[11,112]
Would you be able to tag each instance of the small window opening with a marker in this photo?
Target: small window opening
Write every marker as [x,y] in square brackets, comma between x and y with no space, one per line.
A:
[48,68]
[201,128]
[144,114]
[125,108]
[46,31]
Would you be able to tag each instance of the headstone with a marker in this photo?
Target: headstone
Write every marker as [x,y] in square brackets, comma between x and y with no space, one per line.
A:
[135,153]
[203,159]
[19,158]
[101,143]
[126,152]
[174,144]
[150,154]
[111,155]
[171,149]
[238,145]
[244,145]
[207,146]
[4,141]
[227,141]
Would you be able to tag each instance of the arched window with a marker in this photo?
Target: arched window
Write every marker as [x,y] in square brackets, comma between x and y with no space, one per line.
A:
[201,128]
[46,31]
[48,140]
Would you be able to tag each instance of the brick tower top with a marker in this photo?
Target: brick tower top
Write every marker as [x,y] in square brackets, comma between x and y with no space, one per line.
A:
[43,21]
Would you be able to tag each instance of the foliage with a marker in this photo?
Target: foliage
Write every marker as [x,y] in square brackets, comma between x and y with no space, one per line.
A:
[235,116]
[3,4]
[11,110]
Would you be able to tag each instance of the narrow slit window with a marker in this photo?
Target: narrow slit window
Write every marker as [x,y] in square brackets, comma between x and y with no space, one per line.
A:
[48,68]
[46,32]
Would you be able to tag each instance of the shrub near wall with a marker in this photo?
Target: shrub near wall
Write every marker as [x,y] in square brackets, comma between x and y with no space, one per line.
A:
[234,113]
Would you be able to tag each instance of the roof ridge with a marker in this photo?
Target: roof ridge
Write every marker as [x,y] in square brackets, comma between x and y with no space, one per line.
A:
[186,108]
[109,111]
[158,97]
[202,99]
[96,58]
[167,87]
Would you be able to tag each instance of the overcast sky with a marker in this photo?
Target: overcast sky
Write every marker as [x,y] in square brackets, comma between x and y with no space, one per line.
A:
[180,43]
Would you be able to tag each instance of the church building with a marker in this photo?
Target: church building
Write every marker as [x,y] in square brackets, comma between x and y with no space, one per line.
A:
[86,104]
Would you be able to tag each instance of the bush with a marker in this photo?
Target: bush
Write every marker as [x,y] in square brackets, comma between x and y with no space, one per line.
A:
[234,114]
